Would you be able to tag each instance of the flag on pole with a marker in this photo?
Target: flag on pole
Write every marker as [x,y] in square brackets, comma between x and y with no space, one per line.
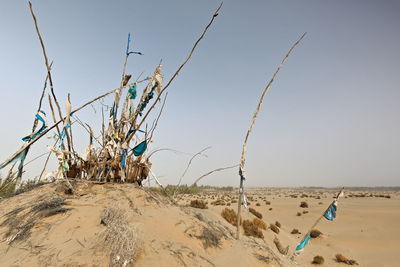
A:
[303,243]
[330,213]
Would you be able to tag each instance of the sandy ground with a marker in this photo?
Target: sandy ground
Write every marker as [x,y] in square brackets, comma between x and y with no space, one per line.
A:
[166,234]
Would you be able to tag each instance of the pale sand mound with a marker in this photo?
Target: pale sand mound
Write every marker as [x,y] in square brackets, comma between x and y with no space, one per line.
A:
[120,225]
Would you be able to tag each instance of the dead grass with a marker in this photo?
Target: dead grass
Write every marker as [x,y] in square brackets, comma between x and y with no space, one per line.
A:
[295,231]
[283,250]
[250,229]
[260,223]
[318,260]
[199,204]
[20,221]
[119,238]
[278,224]
[230,216]
[255,213]
[262,258]
[341,258]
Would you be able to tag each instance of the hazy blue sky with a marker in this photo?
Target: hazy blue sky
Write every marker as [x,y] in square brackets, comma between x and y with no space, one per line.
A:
[330,119]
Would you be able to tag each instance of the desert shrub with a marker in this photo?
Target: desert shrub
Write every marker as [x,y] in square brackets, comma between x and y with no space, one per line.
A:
[199,204]
[305,211]
[267,202]
[229,215]
[341,258]
[262,258]
[283,250]
[295,231]
[234,201]
[270,209]
[298,214]
[250,229]
[278,224]
[260,223]
[274,228]
[318,260]
[315,233]
[255,213]
[320,203]
[304,204]
[258,204]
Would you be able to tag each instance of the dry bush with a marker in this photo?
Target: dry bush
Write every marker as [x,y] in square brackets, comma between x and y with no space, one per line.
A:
[295,231]
[270,209]
[250,229]
[260,223]
[199,204]
[278,224]
[304,204]
[279,246]
[341,258]
[255,213]
[210,238]
[298,214]
[318,260]
[119,238]
[258,204]
[315,233]
[267,202]
[230,216]
[274,228]
[305,211]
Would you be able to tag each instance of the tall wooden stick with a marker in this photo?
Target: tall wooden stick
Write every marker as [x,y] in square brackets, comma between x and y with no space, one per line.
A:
[242,173]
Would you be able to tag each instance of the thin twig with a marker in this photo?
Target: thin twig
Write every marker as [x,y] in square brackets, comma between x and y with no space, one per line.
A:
[210,172]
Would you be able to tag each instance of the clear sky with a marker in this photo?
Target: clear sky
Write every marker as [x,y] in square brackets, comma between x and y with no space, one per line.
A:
[331,117]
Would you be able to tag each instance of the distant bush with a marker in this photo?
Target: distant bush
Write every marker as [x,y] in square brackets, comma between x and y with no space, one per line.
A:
[295,231]
[199,204]
[218,202]
[318,260]
[315,233]
[298,214]
[304,204]
[255,213]
[278,224]
[305,211]
[267,202]
[274,228]
[341,258]
[250,229]
[258,204]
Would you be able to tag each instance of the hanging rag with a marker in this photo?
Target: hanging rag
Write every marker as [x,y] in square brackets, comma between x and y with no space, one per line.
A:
[132,91]
[303,243]
[140,148]
[330,213]
[41,116]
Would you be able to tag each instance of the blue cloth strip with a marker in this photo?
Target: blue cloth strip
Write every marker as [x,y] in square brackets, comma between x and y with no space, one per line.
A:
[304,242]
[140,148]
[330,214]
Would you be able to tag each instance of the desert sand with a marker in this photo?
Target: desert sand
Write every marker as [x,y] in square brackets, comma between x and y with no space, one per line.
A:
[73,230]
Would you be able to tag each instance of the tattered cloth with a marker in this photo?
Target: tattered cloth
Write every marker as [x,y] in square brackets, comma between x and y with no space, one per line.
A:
[330,213]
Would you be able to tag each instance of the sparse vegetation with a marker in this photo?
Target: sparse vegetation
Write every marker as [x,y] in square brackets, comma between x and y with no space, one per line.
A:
[304,204]
[199,204]
[255,213]
[295,231]
[260,223]
[274,228]
[119,238]
[315,233]
[278,224]
[318,260]
[210,238]
[230,216]
[251,229]
[283,250]
[298,213]
[341,258]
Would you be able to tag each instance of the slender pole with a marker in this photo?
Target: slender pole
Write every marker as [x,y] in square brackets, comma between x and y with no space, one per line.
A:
[242,173]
